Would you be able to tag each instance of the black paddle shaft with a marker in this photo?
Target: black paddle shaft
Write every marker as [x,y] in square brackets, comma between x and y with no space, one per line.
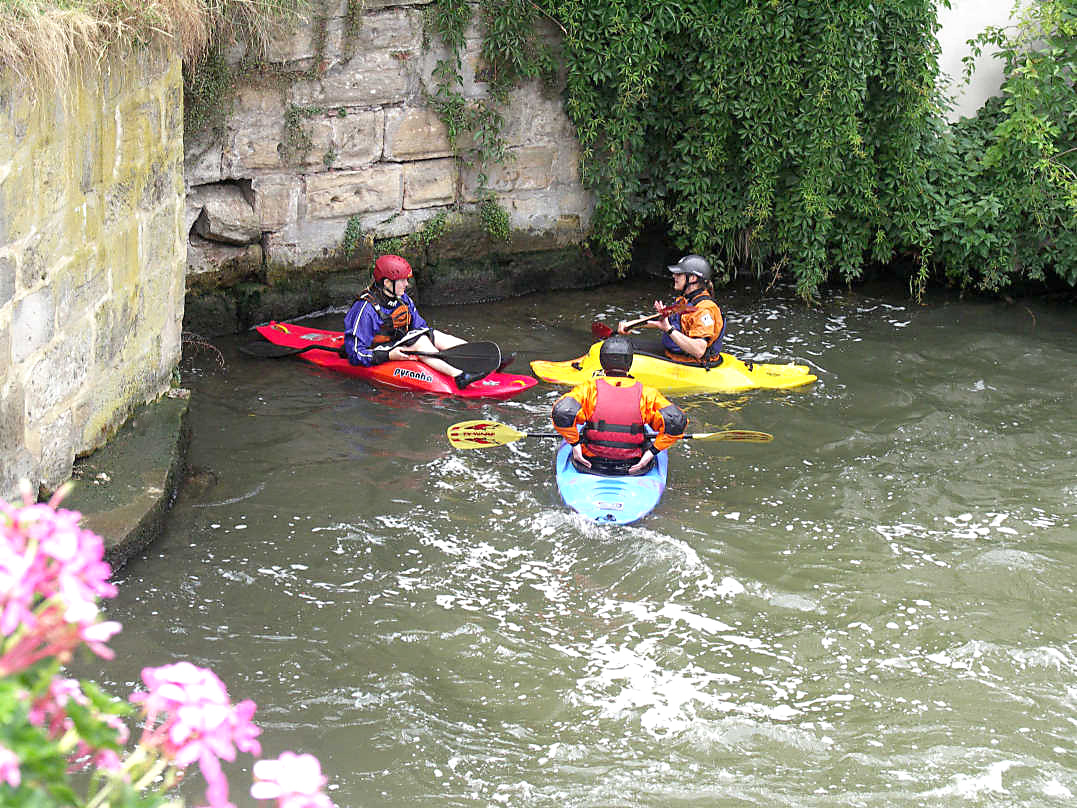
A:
[471,357]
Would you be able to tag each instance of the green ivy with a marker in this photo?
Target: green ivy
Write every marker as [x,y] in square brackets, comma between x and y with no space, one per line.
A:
[798,139]
[494,219]
[411,246]
[1004,207]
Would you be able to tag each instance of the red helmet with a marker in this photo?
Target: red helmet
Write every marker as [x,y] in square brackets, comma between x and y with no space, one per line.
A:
[392,267]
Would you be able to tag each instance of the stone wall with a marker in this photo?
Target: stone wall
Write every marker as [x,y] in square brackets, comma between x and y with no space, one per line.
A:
[348,133]
[92,257]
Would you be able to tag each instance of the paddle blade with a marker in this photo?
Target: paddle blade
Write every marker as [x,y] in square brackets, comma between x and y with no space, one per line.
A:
[600,330]
[471,357]
[745,435]
[481,434]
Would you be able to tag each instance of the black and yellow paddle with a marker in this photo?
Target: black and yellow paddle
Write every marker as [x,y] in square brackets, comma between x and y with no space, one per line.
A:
[483,434]
[472,357]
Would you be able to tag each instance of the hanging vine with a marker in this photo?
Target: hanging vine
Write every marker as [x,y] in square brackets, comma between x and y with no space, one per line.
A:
[795,137]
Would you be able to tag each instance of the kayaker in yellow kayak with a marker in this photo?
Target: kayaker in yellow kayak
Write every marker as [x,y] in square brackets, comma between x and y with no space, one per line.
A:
[694,336]
[606,418]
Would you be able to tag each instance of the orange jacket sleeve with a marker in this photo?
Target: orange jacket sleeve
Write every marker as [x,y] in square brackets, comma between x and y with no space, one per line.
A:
[653,403]
[585,395]
[703,323]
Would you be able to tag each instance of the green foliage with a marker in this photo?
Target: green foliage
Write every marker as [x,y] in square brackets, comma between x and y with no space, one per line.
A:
[797,138]
[207,93]
[297,141]
[209,82]
[1004,207]
[781,133]
[412,246]
[494,219]
[509,55]
[353,237]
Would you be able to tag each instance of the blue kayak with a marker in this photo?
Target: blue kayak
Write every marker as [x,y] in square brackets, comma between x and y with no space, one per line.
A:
[615,500]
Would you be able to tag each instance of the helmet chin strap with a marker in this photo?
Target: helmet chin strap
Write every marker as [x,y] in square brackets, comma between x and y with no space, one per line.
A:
[388,298]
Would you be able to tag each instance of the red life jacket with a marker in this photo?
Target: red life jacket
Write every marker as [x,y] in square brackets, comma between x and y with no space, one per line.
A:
[615,429]
[394,323]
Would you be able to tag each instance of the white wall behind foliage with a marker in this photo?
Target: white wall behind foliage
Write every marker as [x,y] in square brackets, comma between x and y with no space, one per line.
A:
[958,24]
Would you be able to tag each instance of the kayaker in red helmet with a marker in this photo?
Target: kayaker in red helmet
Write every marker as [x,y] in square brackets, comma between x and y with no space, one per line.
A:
[607,419]
[694,337]
[383,320]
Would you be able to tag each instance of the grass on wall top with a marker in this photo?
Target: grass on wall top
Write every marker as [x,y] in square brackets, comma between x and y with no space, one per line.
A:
[45,42]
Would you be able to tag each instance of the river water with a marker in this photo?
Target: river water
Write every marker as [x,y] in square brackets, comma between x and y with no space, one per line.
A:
[875,609]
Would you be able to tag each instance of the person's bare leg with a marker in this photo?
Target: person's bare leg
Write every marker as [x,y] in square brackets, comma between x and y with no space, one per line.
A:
[445,341]
[423,343]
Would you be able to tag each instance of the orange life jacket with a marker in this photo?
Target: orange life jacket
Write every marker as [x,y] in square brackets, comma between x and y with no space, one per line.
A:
[395,323]
[615,429]
[703,302]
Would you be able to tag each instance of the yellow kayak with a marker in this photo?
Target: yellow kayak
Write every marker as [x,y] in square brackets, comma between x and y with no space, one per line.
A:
[673,378]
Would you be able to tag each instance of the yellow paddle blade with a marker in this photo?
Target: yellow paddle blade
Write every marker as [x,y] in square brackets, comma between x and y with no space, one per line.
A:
[481,434]
[748,435]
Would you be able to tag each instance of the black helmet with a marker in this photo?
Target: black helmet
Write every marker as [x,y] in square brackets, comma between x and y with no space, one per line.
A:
[692,265]
[616,354]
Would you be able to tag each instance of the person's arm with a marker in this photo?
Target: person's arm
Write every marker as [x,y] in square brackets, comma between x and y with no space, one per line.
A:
[360,338]
[692,346]
[571,410]
[665,418]
[696,330]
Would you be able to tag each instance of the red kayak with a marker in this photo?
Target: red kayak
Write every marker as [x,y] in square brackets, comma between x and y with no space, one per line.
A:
[410,375]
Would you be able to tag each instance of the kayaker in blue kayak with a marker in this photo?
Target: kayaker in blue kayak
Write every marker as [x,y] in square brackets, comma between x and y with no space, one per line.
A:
[607,419]
[383,320]
[695,336]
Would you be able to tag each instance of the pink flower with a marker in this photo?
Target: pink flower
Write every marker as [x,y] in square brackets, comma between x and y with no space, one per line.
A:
[9,768]
[51,575]
[294,781]
[197,722]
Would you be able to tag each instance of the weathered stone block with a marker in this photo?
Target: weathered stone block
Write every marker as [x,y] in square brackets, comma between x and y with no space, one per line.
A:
[162,242]
[57,450]
[560,217]
[160,183]
[135,128]
[276,200]
[358,138]
[429,182]
[227,216]
[202,159]
[209,257]
[112,324]
[535,116]
[18,207]
[32,323]
[301,45]
[60,372]
[7,278]
[5,353]
[78,284]
[367,80]
[415,133]
[119,204]
[344,193]
[12,419]
[92,171]
[528,168]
